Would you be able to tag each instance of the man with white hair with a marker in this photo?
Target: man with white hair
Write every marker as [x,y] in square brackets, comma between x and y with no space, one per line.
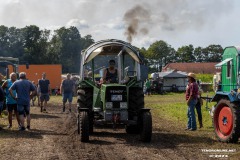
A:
[10,102]
[25,90]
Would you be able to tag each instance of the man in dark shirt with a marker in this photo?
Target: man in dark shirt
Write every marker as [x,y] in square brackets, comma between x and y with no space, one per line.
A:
[25,90]
[44,89]
[110,75]
[191,98]
[67,90]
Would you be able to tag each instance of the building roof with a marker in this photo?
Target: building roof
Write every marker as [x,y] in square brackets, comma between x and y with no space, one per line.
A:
[203,68]
[172,74]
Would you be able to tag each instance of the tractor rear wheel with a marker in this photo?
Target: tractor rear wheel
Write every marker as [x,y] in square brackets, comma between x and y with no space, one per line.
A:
[84,126]
[136,101]
[226,121]
[85,100]
[146,127]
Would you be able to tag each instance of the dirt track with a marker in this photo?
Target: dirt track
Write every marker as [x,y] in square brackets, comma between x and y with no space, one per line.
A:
[54,136]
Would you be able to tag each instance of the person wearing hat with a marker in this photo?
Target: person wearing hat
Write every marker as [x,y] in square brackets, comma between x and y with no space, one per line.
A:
[110,74]
[191,98]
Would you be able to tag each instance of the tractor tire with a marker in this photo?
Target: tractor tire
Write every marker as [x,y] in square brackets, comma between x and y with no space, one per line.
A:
[136,100]
[146,127]
[133,129]
[226,121]
[85,100]
[84,126]
[78,124]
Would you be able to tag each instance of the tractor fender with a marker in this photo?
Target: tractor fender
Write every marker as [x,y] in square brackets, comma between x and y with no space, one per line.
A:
[231,96]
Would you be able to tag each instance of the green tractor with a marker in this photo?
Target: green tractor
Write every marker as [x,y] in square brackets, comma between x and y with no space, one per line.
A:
[226,113]
[119,103]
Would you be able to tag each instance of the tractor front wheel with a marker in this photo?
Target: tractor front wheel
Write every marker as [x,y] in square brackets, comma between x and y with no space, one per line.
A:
[226,121]
[84,126]
[146,127]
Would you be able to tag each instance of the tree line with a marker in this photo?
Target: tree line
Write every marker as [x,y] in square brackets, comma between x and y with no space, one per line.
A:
[63,46]
[161,53]
[35,46]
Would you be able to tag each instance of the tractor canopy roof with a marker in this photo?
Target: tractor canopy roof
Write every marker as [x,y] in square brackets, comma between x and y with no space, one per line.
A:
[110,47]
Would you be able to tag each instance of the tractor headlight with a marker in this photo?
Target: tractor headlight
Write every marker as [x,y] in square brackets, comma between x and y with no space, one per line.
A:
[123,105]
[109,105]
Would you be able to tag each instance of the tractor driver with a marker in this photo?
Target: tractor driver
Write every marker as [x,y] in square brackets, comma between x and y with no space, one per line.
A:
[110,74]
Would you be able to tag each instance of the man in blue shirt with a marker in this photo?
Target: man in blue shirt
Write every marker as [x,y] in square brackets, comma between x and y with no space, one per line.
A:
[11,103]
[44,89]
[24,89]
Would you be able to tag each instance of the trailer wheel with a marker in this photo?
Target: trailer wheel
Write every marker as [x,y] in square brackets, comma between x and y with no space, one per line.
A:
[226,121]
[84,123]
[146,127]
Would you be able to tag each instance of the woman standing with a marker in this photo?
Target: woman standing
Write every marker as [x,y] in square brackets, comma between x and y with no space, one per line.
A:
[191,98]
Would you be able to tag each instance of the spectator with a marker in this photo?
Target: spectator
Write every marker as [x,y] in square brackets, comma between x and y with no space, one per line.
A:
[10,102]
[45,90]
[23,88]
[1,79]
[191,98]
[35,96]
[1,101]
[148,87]
[67,90]
[199,105]
[219,85]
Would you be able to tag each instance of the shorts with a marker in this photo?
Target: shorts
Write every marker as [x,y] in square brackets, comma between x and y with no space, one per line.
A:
[67,96]
[44,97]
[1,106]
[22,109]
[11,107]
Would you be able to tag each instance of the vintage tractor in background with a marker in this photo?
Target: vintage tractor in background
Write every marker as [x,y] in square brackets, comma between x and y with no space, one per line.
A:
[120,103]
[226,113]
[5,63]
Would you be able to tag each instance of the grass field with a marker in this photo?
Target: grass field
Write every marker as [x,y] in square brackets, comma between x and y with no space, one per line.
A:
[172,106]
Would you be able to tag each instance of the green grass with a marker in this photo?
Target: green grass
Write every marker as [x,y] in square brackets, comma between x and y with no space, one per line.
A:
[173,107]
[207,78]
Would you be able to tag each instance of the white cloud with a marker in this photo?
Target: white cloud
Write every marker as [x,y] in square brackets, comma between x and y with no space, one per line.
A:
[80,24]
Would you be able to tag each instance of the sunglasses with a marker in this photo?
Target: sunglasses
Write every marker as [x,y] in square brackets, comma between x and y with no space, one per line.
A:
[112,64]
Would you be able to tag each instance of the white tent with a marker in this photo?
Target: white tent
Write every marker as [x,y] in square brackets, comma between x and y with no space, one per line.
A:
[174,80]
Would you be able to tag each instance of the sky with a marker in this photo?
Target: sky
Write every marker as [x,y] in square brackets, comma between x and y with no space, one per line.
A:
[140,22]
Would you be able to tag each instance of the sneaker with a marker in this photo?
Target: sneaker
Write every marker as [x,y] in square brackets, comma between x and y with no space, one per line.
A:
[63,108]
[28,127]
[9,126]
[192,129]
[41,110]
[22,129]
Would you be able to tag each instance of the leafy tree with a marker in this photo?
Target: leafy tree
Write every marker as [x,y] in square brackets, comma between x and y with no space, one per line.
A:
[160,53]
[185,54]
[213,53]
